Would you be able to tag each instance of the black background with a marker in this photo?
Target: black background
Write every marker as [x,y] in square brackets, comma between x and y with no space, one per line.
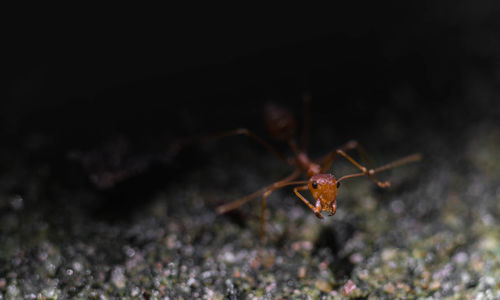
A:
[156,75]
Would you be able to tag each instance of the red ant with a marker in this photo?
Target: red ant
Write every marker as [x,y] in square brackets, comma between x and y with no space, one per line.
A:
[322,185]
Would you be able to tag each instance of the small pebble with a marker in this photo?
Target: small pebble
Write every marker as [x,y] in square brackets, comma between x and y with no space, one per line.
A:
[348,288]
[435,285]
[356,258]
[389,288]
[118,278]
[302,272]
[323,285]
[403,286]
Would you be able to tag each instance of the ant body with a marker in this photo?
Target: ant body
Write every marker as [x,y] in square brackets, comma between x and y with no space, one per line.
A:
[323,186]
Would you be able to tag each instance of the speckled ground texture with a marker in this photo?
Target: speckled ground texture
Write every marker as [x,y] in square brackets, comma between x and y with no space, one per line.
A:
[434,233]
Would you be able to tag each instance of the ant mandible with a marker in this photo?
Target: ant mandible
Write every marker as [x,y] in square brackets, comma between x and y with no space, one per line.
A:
[322,185]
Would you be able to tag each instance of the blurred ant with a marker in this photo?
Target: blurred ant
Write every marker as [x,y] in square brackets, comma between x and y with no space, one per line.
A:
[323,186]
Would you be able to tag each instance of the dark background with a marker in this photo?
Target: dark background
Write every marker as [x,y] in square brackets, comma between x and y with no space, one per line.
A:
[388,75]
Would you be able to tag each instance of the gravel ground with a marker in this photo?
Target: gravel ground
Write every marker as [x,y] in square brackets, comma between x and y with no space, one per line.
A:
[434,233]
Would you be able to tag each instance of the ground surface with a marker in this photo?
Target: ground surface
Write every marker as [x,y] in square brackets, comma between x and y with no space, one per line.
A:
[435,233]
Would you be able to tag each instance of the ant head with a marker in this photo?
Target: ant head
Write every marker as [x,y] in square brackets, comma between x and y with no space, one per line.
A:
[324,187]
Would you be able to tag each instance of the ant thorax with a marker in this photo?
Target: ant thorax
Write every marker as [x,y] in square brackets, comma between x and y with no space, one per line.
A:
[304,163]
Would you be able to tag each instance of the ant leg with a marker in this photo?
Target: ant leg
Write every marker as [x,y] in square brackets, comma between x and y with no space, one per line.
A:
[246,132]
[316,209]
[263,216]
[364,170]
[402,161]
[408,159]
[276,186]
[239,202]
[177,145]
[351,145]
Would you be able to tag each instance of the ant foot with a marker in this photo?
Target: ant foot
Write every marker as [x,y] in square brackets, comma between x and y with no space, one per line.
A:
[319,215]
[384,184]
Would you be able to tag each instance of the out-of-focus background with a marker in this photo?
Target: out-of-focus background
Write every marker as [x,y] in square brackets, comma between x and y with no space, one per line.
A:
[105,189]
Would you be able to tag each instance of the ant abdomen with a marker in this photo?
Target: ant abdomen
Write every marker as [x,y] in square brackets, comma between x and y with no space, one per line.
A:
[280,122]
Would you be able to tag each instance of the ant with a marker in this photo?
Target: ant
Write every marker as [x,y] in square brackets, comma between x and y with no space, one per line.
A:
[323,186]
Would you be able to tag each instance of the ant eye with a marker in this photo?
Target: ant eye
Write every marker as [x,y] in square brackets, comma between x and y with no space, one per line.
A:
[314,185]
[338,184]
